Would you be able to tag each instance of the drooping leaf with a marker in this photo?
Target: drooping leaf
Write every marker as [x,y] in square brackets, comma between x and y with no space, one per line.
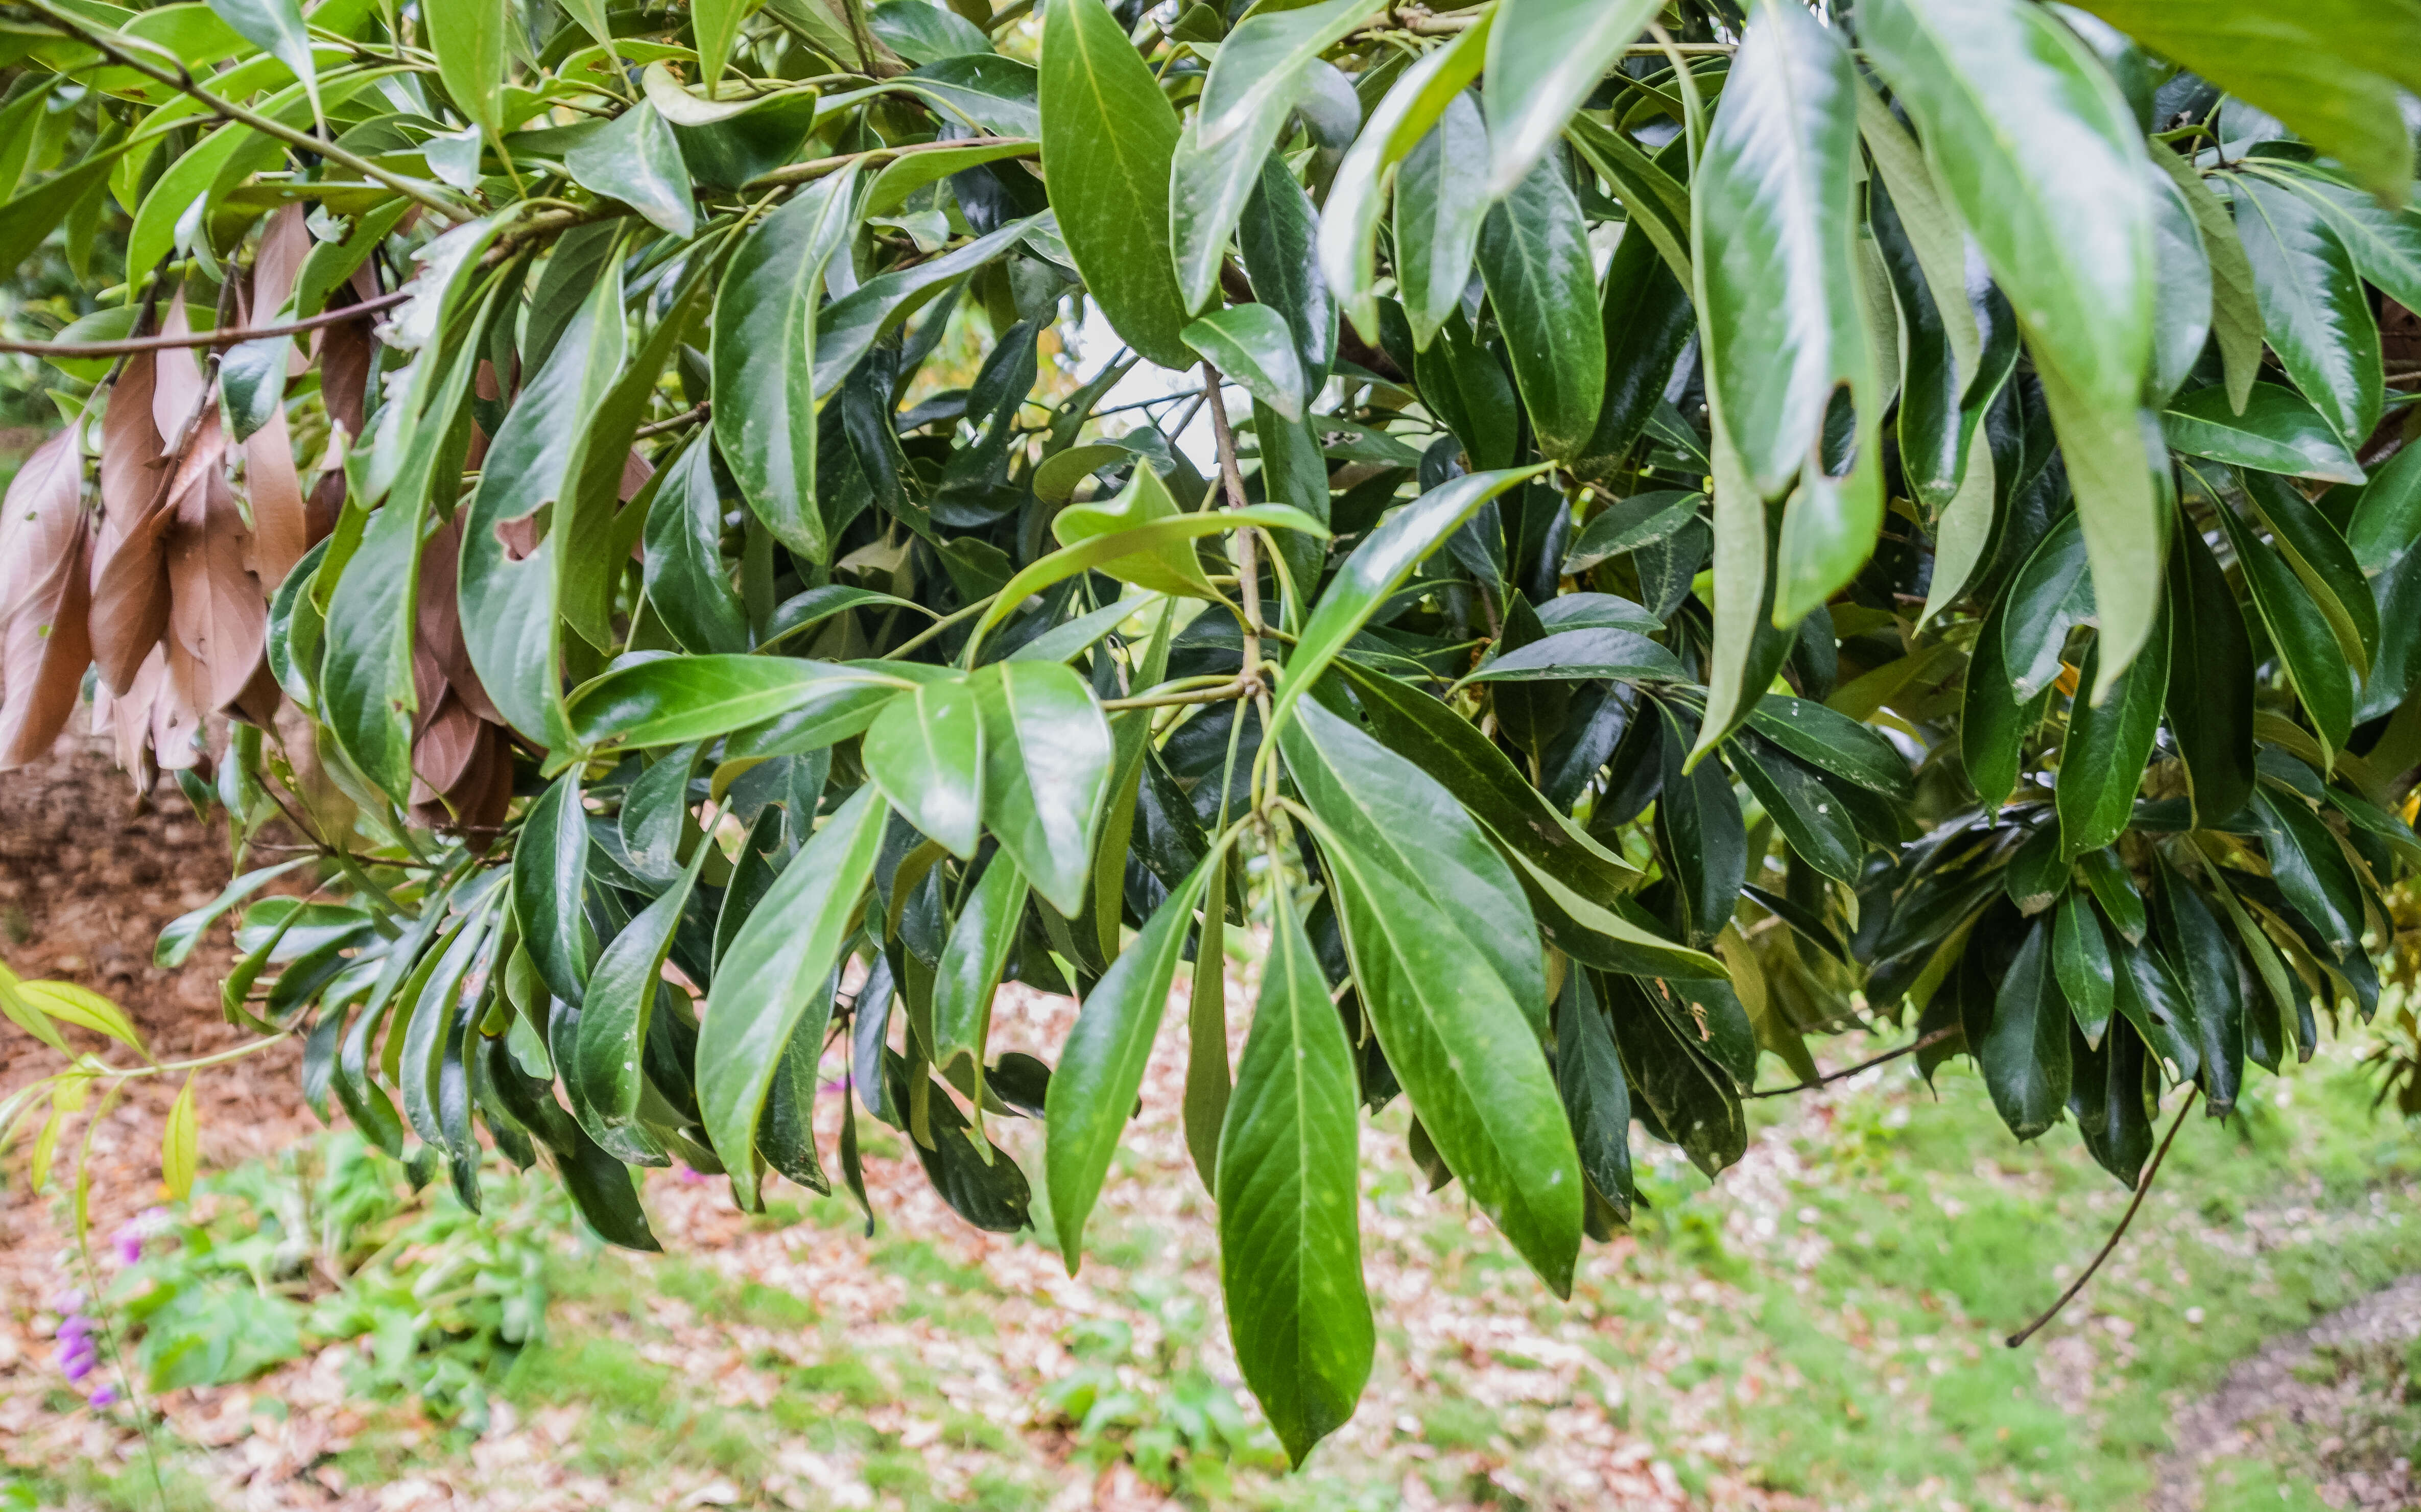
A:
[1108,137]
[1047,757]
[1290,1239]
[1534,253]
[764,992]
[2211,697]
[2313,306]
[926,752]
[2101,762]
[1544,58]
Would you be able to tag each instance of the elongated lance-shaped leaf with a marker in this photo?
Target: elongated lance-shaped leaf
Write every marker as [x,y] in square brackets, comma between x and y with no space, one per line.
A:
[1108,137]
[1545,57]
[510,620]
[1277,237]
[621,996]
[2024,1050]
[969,972]
[1387,807]
[1467,1057]
[1047,755]
[1289,1220]
[765,989]
[2313,308]
[2102,763]
[473,42]
[674,699]
[847,329]
[276,28]
[765,411]
[1253,345]
[688,587]
[1379,566]
[1534,253]
[1260,73]
[1093,1090]
[1349,222]
[2209,704]
[2316,664]
[1441,200]
[2062,211]
[550,869]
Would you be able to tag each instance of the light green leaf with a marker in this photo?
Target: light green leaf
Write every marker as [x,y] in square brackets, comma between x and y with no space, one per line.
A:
[1047,761]
[2062,211]
[1289,1234]
[1253,345]
[276,28]
[675,699]
[472,46]
[550,869]
[180,1144]
[716,25]
[765,989]
[1092,1091]
[1349,222]
[925,752]
[621,996]
[2271,429]
[1441,200]
[1467,1057]
[636,160]
[1260,73]
[969,970]
[1544,59]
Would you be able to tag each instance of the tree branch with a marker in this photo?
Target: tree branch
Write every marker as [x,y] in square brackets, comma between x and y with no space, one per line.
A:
[2143,1189]
[1867,1064]
[427,195]
[227,337]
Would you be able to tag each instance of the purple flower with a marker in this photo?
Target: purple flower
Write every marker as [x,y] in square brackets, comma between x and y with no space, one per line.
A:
[75,1325]
[687,1177]
[107,1396]
[128,1245]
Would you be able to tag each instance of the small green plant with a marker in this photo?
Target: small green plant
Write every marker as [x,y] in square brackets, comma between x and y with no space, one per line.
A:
[1157,1408]
[335,1242]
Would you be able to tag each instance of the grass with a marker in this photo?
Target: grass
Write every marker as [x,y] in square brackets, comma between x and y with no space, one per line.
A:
[1824,1324]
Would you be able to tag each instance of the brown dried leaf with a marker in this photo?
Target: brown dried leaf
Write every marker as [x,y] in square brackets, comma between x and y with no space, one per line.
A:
[437,623]
[444,751]
[130,591]
[129,447]
[126,717]
[45,595]
[177,710]
[280,520]
[178,387]
[216,610]
[284,241]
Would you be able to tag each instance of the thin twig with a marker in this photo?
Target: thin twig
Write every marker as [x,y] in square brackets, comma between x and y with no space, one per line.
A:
[2143,1189]
[1936,1038]
[1248,565]
[232,337]
[798,173]
[689,416]
[182,82]
[1224,692]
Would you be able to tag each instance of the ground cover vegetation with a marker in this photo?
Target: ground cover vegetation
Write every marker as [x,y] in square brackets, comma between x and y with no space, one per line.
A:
[1720,526]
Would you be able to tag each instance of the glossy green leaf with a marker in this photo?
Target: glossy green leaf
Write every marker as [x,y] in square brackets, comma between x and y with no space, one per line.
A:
[1253,345]
[1648,319]
[1348,222]
[2109,744]
[1630,524]
[2062,211]
[2050,596]
[1692,1102]
[2235,305]
[765,413]
[2181,295]
[1277,237]
[2082,965]
[1597,1101]
[2206,965]
[765,991]
[1811,819]
[1658,203]
[1133,540]
[1467,1056]
[1777,299]
[1700,837]
[1573,654]
[674,699]
[716,25]
[621,996]
[1379,566]
[1289,1221]
[969,970]
[1544,58]
[1392,811]
[925,752]
[1047,764]
[2025,1051]
[2386,523]
[2309,869]
[1441,199]
[636,160]
[1092,1091]
[1108,137]
[1534,253]
[1260,73]
[2329,69]
[2313,308]
[2299,633]
[2325,563]
[849,328]
[2274,430]
[2209,705]
[276,28]
[472,40]
[688,587]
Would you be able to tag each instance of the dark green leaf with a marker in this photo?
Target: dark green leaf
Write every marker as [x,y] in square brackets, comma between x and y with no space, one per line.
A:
[2101,762]
[2024,1050]
[673,699]
[2313,306]
[969,969]
[2210,703]
[2275,430]
[1441,199]
[2080,957]
[1534,253]
[1572,654]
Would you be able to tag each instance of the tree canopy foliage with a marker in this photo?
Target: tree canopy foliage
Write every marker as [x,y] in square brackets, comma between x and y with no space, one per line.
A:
[1724,524]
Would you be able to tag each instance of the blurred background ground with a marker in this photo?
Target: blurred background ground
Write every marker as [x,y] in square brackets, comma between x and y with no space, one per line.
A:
[1820,1329]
